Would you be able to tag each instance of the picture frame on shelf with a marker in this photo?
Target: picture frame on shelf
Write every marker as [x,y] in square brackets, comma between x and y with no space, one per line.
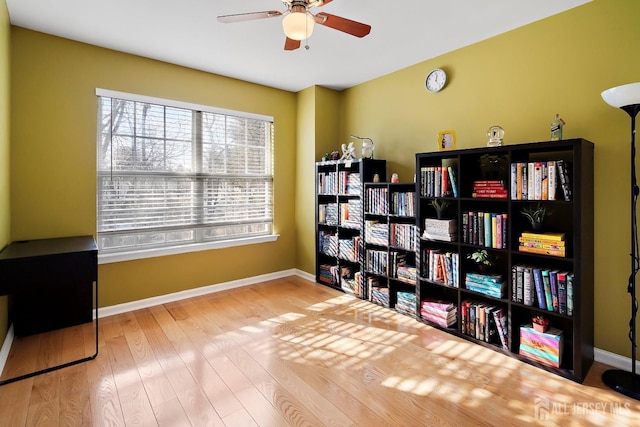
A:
[447,140]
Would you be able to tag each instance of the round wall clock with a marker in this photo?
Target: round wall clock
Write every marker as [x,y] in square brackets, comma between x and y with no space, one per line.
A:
[436,80]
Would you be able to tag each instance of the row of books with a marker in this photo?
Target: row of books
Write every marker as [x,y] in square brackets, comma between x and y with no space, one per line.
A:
[376,261]
[349,249]
[438,181]
[406,303]
[380,295]
[547,289]
[491,189]
[328,243]
[350,280]
[440,267]
[553,244]
[351,214]
[343,182]
[488,229]
[441,313]
[376,232]
[493,285]
[376,200]
[403,203]
[445,230]
[485,322]
[328,274]
[403,236]
[328,214]
[539,180]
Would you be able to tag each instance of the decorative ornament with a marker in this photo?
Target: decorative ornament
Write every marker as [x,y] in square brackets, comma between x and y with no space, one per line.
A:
[348,152]
[496,135]
[394,178]
[556,128]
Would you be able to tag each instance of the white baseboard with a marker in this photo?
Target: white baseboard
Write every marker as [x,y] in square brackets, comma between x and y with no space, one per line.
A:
[190,293]
[602,356]
[613,359]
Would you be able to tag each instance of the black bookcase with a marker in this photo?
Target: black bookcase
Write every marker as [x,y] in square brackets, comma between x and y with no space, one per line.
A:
[475,189]
[390,241]
[339,221]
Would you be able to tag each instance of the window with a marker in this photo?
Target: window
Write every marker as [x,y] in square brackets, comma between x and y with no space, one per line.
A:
[173,174]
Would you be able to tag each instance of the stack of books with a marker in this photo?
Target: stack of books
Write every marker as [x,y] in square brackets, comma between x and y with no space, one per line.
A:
[349,249]
[548,289]
[543,243]
[488,284]
[403,236]
[349,280]
[328,243]
[544,347]
[407,273]
[328,214]
[440,229]
[406,303]
[380,295]
[441,313]
[539,180]
[402,204]
[492,189]
[376,261]
[484,322]
[328,274]
[376,233]
[440,267]
[351,214]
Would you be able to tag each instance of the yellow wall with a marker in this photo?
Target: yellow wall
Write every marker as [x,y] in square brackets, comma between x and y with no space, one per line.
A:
[53,157]
[4,148]
[519,80]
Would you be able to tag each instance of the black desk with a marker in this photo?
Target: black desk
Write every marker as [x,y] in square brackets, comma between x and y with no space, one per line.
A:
[50,284]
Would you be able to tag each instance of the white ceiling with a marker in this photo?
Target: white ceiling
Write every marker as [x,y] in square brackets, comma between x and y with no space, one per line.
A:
[187,33]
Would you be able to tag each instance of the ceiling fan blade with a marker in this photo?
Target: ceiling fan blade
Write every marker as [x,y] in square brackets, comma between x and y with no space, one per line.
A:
[345,25]
[239,17]
[323,2]
[291,44]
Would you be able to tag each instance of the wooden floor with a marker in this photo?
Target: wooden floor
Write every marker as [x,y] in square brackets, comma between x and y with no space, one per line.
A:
[291,352]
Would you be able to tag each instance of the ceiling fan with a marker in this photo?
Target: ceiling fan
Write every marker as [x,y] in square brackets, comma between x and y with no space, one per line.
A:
[298,22]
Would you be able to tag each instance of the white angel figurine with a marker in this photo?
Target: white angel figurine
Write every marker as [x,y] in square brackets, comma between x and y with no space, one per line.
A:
[348,152]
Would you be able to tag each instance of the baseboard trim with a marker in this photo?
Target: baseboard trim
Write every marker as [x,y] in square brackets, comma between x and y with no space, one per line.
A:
[613,359]
[191,293]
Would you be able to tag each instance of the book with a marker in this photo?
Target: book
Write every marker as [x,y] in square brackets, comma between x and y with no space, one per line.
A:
[542,251]
[540,290]
[570,294]
[487,230]
[452,178]
[537,180]
[520,284]
[553,282]
[551,177]
[563,175]
[543,236]
[548,294]
[561,279]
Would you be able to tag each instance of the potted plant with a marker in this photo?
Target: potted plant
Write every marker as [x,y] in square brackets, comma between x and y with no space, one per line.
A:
[482,258]
[540,323]
[439,205]
[535,215]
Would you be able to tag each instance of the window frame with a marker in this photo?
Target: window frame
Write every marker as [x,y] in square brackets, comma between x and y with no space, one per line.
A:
[141,253]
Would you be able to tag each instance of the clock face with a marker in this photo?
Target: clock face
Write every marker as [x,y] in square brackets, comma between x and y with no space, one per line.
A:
[436,80]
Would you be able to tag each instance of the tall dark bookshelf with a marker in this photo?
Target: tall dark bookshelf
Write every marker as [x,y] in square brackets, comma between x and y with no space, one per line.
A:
[390,239]
[339,220]
[573,217]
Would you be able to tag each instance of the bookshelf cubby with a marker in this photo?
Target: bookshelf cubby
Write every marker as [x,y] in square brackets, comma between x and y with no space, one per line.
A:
[339,221]
[390,239]
[485,181]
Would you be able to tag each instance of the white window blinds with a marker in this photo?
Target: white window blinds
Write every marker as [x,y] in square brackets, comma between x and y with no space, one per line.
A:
[172,175]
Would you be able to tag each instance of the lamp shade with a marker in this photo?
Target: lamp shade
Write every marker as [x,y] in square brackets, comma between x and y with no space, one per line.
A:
[298,25]
[621,96]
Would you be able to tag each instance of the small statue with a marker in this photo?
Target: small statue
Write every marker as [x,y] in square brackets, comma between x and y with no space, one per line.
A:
[556,128]
[394,178]
[335,155]
[496,135]
[348,152]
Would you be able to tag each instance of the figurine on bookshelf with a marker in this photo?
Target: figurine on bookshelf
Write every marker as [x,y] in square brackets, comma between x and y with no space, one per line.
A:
[496,135]
[556,128]
[348,152]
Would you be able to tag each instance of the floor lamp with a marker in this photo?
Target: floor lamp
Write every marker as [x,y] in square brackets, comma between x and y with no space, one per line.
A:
[627,97]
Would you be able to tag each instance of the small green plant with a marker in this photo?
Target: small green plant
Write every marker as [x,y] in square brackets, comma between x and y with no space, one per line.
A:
[439,205]
[535,214]
[481,257]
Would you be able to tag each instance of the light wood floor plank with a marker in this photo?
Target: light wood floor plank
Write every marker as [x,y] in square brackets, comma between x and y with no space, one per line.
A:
[288,352]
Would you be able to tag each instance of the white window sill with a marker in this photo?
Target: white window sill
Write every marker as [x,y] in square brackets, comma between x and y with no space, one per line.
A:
[182,249]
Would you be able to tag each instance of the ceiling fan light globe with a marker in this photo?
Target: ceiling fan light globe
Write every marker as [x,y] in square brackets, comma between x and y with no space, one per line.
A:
[298,25]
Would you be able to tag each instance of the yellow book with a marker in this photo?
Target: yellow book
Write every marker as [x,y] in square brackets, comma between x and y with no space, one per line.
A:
[543,236]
